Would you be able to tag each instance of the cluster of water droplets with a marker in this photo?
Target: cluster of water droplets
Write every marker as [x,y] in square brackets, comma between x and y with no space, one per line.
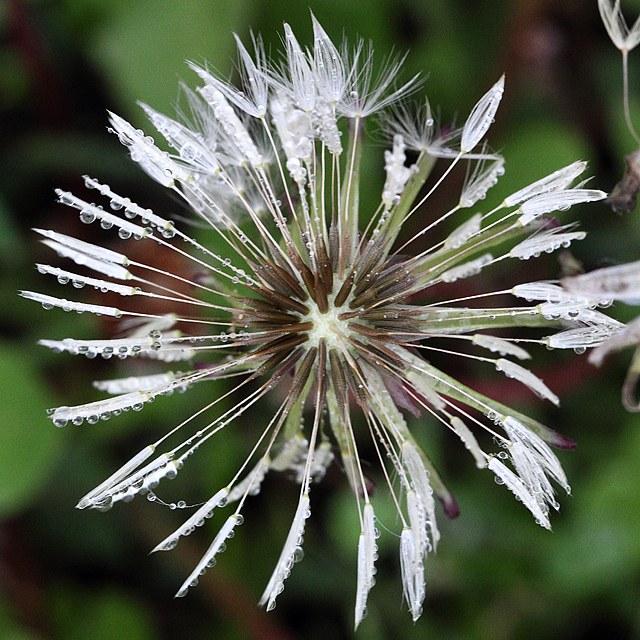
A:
[130,209]
[96,411]
[209,560]
[291,553]
[470,268]
[142,482]
[79,281]
[294,455]
[464,232]
[552,294]
[197,519]
[169,347]
[515,371]
[481,182]
[535,245]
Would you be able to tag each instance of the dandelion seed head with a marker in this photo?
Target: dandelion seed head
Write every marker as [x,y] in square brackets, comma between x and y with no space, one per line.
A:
[312,296]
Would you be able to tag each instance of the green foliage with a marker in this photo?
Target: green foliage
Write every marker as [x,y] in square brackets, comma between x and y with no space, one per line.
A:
[29,448]
[496,574]
[103,614]
[141,46]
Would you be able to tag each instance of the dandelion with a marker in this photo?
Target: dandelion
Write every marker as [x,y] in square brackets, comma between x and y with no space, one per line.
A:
[619,283]
[306,299]
[624,195]
[625,40]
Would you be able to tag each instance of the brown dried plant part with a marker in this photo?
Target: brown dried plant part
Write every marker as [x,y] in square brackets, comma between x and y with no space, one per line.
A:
[624,195]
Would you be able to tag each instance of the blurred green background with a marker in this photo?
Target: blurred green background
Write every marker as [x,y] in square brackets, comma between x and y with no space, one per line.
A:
[69,575]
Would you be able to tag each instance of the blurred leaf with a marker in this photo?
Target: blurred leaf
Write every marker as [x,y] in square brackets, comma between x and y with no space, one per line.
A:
[9,628]
[14,82]
[29,445]
[604,550]
[142,46]
[533,151]
[102,615]
[11,245]
[70,153]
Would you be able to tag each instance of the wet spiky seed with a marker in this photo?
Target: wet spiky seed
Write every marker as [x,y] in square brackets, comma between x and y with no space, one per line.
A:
[336,314]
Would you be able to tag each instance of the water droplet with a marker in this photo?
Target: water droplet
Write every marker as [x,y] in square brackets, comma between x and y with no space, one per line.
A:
[87,216]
